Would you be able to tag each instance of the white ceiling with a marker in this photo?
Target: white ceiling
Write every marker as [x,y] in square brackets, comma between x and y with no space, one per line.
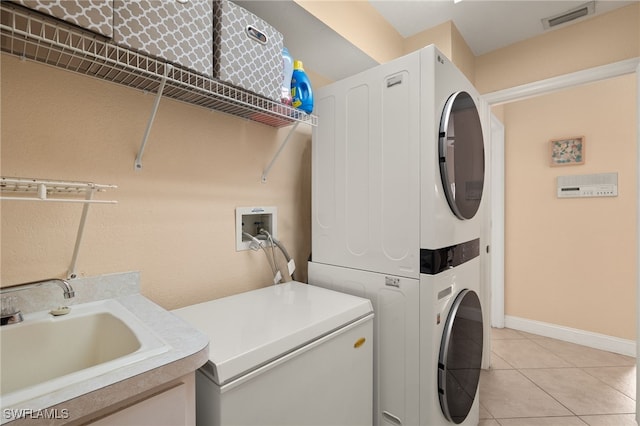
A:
[486,25]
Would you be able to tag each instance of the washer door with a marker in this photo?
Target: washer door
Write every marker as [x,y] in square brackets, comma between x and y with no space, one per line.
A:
[461,151]
[460,357]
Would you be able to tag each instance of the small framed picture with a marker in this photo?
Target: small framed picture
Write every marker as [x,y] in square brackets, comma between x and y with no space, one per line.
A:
[567,152]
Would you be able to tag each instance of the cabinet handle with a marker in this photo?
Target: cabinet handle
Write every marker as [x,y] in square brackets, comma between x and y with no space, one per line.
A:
[183,1]
[256,34]
[390,418]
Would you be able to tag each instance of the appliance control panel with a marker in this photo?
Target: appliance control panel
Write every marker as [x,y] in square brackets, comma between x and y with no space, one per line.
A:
[582,186]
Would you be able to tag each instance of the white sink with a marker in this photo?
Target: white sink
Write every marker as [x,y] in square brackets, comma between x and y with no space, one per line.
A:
[45,353]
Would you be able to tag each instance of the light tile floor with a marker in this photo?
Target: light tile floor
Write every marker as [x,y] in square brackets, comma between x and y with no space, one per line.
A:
[538,381]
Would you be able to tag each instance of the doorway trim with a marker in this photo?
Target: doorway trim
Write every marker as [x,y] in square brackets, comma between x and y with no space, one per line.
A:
[553,84]
[497,221]
[638,240]
[529,90]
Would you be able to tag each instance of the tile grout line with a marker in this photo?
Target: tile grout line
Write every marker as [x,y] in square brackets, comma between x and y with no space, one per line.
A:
[583,369]
[571,365]
[519,370]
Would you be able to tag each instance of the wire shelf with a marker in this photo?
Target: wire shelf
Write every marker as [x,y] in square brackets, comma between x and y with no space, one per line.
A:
[27,189]
[33,36]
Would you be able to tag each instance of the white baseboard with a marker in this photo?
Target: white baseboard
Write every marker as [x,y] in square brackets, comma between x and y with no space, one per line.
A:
[573,335]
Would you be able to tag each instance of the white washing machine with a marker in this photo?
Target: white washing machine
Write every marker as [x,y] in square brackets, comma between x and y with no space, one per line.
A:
[451,335]
[428,338]
[291,354]
[398,177]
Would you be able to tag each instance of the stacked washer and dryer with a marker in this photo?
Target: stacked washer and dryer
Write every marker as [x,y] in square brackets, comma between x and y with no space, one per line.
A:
[397,183]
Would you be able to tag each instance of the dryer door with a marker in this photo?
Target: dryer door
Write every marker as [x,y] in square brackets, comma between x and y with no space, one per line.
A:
[460,357]
[461,151]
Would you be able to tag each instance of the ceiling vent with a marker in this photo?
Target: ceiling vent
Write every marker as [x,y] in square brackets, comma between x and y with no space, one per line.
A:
[570,15]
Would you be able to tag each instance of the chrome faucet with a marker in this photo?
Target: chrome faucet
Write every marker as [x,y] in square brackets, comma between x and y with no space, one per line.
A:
[64,284]
[12,315]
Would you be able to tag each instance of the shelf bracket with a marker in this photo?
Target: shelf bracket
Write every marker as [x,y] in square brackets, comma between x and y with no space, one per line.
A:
[156,104]
[83,219]
[275,157]
[21,188]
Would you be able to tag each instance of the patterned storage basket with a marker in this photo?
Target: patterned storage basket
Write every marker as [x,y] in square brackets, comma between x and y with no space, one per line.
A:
[247,51]
[181,33]
[93,15]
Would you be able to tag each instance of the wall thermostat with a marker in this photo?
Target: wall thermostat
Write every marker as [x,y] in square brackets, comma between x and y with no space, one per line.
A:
[581,186]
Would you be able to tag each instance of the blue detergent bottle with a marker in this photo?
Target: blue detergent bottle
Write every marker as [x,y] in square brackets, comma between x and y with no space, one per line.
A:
[301,92]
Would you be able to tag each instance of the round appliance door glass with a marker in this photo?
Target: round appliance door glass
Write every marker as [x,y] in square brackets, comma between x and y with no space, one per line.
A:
[460,357]
[461,151]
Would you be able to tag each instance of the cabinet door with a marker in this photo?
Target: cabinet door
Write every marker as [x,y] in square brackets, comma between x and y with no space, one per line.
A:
[175,406]
[396,303]
[178,31]
[93,15]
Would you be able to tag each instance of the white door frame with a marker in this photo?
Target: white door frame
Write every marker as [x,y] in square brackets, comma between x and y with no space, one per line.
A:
[497,220]
[638,239]
[518,93]
[538,88]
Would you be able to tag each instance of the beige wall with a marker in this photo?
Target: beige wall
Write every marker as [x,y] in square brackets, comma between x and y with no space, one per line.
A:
[175,219]
[461,55]
[450,42]
[439,35]
[571,262]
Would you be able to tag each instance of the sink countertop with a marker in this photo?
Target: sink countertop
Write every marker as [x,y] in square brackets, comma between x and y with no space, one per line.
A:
[188,352]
